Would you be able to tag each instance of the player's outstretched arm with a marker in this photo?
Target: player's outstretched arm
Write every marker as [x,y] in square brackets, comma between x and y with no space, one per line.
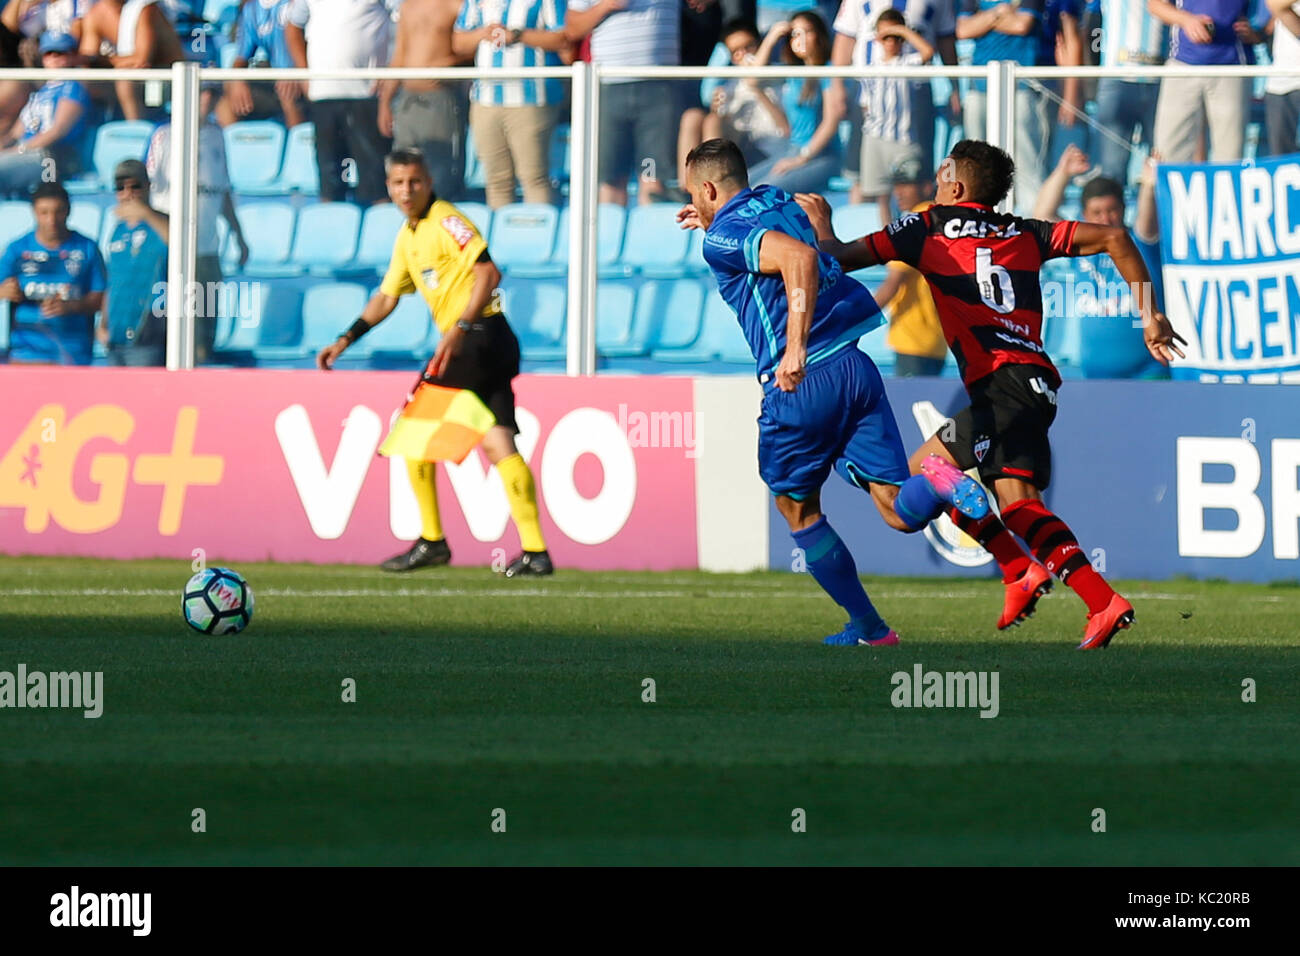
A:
[850,255]
[1089,240]
[379,307]
[797,264]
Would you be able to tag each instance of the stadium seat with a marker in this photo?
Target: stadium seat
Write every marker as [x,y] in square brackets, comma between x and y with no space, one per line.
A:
[853,222]
[720,338]
[655,245]
[559,158]
[615,336]
[298,170]
[536,310]
[326,236]
[116,141]
[406,333]
[85,217]
[379,225]
[474,177]
[523,234]
[253,153]
[270,322]
[268,230]
[15,220]
[694,261]
[610,223]
[479,214]
[327,309]
[668,312]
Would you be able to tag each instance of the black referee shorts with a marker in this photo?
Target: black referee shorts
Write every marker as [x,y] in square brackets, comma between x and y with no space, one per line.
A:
[486,362]
[1004,431]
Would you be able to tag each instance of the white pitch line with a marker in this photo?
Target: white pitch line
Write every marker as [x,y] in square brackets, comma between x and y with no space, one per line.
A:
[508,592]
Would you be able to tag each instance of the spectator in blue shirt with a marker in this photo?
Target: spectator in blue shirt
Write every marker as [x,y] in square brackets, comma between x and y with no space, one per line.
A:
[133,324]
[1205,33]
[54,281]
[259,36]
[814,113]
[46,139]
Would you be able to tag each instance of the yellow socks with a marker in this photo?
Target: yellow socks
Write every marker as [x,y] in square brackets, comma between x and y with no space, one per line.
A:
[423,474]
[522,495]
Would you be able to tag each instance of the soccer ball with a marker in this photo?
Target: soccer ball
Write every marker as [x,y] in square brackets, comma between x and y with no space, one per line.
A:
[217,601]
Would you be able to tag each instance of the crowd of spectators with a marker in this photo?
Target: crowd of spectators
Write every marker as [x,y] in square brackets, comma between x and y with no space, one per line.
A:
[794,132]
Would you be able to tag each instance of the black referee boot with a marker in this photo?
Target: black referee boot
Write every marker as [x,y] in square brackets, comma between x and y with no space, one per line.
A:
[423,554]
[530,562]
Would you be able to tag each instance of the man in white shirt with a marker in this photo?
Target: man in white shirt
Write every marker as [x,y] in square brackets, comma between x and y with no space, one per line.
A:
[335,35]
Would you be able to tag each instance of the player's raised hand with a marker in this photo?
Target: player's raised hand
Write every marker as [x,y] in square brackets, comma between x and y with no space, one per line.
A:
[689,217]
[326,357]
[818,211]
[1160,338]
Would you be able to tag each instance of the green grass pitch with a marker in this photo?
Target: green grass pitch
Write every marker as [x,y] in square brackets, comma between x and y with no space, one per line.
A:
[474,693]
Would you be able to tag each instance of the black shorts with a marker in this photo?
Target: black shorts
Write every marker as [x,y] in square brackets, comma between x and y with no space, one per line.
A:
[1004,431]
[485,364]
[638,127]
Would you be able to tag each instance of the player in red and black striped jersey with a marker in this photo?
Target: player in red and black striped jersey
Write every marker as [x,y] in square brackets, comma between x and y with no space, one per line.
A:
[982,267]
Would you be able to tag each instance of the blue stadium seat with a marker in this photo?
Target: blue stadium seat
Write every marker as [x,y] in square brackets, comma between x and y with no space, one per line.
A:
[270,322]
[853,222]
[615,335]
[479,214]
[694,261]
[523,234]
[668,312]
[559,159]
[116,141]
[85,217]
[610,223]
[326,236]
[327,309]
[655,245]
[253,153]
[536,310]
[720,338]
[298,170]
[406,332]
[379,225]
[15,220]
[268,230]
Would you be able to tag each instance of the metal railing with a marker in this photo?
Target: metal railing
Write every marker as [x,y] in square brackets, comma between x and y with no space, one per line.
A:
[585,94]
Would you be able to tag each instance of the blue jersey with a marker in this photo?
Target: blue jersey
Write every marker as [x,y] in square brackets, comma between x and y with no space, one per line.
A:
[137,269]
[844,310]
[261,27]
[71,271]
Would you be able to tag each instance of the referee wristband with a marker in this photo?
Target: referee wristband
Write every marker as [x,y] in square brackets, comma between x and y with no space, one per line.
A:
[358,328]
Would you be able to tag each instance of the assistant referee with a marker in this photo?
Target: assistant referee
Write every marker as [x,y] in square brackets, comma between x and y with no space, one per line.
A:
[440,254]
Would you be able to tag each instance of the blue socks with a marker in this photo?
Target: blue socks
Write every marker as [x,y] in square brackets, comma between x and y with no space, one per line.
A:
[832,567]
[918,503]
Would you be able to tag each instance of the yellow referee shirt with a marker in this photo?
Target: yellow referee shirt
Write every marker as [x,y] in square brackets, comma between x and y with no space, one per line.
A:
[436,259]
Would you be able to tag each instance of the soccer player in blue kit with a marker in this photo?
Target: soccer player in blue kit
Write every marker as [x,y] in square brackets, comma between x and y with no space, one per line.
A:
[824,403]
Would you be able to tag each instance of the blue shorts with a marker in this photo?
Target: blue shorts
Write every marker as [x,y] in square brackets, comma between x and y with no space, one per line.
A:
[838,417]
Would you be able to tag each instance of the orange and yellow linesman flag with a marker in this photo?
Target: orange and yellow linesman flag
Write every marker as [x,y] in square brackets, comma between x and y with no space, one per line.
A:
[438,424]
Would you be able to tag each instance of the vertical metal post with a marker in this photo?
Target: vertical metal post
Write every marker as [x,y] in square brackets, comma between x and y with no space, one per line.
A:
[579,173]
[1001,111]
[182,246]
[591,185]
